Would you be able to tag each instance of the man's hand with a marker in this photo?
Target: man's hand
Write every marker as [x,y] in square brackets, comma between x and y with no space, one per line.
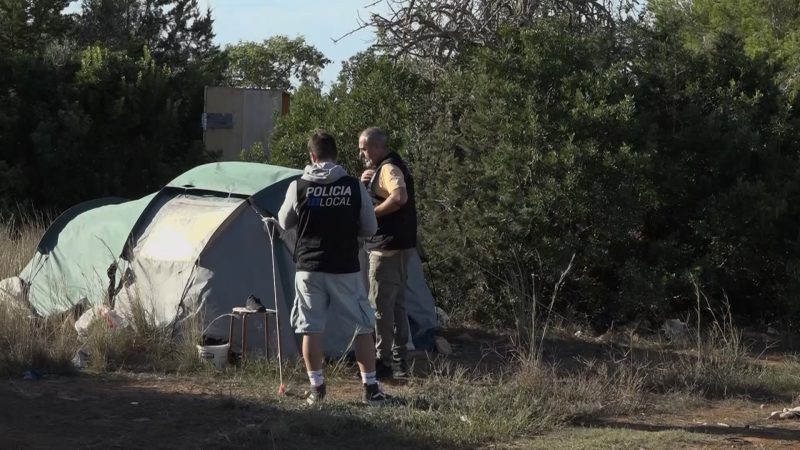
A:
[367,175]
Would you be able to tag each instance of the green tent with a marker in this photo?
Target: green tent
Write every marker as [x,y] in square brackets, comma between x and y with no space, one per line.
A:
[199,245]
[75,252]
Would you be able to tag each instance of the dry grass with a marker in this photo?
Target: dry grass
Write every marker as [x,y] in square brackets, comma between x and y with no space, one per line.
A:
[18,240]
[528,399]
[41,345]
[25,342]
[143,346]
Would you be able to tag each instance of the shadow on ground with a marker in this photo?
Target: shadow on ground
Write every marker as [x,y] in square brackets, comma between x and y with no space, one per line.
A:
[98,412]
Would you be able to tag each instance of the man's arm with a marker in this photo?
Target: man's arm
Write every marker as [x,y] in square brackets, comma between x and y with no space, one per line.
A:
[287,216]
[391,181]
[395,201]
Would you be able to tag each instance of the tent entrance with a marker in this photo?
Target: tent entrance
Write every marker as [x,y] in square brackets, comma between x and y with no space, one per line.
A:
[168,246]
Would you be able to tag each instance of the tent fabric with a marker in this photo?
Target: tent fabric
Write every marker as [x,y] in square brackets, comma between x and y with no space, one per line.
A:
[420,305]
[265,183]
[198,246]
[168,247]
[234,177]
[60,275]
[50,237]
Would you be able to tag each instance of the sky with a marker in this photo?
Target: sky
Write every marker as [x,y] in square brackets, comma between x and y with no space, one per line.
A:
[319,21]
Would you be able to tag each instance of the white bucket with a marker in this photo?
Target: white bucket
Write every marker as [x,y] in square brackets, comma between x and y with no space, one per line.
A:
[215,354]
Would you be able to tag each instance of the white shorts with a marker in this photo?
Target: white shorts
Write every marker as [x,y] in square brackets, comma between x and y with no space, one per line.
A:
[318,292]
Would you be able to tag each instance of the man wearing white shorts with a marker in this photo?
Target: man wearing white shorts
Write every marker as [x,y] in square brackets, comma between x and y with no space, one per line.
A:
[330,210]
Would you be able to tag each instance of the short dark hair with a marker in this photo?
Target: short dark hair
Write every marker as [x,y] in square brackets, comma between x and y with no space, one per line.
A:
[322,145]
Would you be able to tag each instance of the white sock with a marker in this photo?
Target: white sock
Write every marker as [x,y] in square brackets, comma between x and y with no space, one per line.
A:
[369,377]
[316,378]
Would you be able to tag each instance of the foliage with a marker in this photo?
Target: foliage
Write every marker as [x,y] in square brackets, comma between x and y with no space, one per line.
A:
[255,153]
[274,63]
[103,103]
[371,90]
[722,129]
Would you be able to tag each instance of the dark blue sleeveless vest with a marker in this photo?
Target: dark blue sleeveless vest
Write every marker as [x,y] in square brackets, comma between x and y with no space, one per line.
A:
[398,230]
[327,230]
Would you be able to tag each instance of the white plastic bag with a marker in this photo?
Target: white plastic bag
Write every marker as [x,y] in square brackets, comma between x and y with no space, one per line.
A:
[12,294]
[110,317]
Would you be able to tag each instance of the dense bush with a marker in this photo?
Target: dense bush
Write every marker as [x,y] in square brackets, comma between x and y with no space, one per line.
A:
[105,102]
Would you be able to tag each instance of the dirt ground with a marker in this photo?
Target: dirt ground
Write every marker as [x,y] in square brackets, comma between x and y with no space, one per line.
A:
[722,424]
[128,410]
[112,412]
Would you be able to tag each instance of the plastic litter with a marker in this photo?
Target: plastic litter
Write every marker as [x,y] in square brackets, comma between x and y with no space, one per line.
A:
[217,355]
[101,312]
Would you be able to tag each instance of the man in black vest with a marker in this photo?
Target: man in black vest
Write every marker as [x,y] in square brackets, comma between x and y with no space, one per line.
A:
[330,211]
[391,187]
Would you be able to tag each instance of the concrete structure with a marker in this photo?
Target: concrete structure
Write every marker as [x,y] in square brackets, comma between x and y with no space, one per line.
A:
[234,119]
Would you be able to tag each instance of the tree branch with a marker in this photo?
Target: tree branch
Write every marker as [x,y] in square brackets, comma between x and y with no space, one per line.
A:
[440,29]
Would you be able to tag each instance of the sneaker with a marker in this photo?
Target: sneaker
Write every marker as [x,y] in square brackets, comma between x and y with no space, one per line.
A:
[382,370]
[316,395]
[374,395]
[399,368]
[254,304]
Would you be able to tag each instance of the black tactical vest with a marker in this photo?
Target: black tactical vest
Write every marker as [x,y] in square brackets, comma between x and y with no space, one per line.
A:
[327,231]
[398,230]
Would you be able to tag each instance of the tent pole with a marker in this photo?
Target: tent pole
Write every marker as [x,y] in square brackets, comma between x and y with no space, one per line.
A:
[271,231]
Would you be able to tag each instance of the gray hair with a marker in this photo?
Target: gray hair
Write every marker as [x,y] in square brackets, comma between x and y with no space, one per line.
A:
[376,136]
